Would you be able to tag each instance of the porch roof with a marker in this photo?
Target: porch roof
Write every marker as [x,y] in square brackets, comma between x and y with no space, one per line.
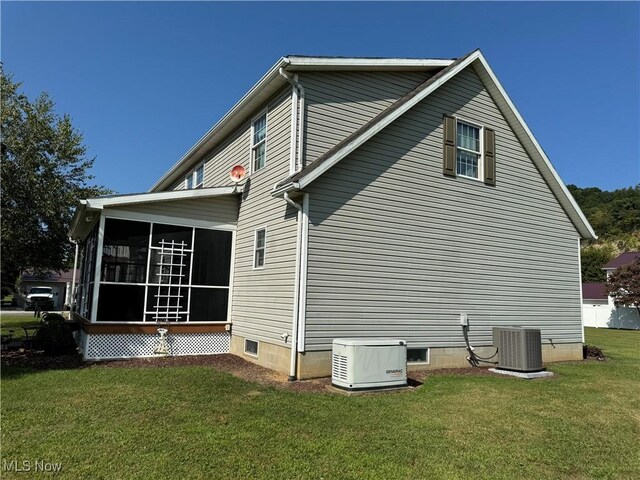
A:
[85,215]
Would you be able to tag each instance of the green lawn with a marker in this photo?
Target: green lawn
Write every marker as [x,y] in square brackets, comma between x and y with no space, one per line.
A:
[194,422]
[15,322]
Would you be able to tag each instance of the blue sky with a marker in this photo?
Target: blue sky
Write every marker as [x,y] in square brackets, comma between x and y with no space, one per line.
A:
[143,81]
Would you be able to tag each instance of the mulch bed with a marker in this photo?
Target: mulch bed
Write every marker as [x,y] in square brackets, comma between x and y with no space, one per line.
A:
[37,360]
[224,362]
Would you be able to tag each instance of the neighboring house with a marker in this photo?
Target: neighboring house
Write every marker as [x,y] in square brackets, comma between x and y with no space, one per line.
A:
[598,309]
[385,197]
[60,283]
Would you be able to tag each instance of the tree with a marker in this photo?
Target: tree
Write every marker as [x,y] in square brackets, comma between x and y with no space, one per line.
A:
[593,258]
[44,172]
[623,285]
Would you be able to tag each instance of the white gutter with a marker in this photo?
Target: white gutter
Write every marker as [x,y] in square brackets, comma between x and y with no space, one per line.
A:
[287,187]
[296,293]
[364,62]
[297,117]
[99,203]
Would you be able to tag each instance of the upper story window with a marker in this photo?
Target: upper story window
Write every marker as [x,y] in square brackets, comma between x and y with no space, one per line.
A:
[259,143]
[195,178]
[259,247]
[468,150]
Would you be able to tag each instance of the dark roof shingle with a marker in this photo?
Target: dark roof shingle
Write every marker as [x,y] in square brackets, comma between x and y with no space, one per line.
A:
[622,260]
[593,291]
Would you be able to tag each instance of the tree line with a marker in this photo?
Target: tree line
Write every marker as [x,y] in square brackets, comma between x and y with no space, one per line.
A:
[615,217]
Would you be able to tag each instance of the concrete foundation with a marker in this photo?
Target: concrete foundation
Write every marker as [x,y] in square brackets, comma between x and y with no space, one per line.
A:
[318,364]
[275,357]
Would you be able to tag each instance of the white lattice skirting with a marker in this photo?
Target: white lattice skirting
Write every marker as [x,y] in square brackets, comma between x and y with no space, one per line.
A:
[130,345]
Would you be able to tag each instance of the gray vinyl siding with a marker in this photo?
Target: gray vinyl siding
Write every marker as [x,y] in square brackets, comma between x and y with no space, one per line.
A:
[398,249]
[235,150]
[262,300]
[338,103]
[262,307]
[218,210]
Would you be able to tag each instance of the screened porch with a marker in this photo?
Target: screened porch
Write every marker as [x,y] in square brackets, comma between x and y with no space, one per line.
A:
[154,260]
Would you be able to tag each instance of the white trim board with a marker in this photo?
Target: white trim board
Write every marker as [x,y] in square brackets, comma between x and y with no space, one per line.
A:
[167,220]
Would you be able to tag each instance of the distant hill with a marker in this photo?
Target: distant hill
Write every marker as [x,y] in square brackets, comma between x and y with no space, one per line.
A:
[615,217]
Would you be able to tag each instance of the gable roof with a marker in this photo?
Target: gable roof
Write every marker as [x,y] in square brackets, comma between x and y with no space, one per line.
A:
[622,260]
[594,291]
[402,105]
[272,82]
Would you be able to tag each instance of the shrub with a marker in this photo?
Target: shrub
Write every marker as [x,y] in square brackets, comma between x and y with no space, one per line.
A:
[55,337]
[591,351]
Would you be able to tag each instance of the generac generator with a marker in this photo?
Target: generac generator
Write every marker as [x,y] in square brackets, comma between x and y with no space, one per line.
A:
[369,363]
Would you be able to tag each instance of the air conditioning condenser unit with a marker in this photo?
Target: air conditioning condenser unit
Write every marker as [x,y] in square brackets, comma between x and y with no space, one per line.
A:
[519,348]
[368,363]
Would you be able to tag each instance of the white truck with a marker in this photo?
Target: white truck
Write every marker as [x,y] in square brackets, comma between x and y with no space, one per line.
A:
[40,298]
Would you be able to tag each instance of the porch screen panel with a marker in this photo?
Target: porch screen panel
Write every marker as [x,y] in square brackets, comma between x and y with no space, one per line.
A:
[168,233]
[126,245]
[159,273]
[84,292]
[212,258]
[209,304]
[120,303]
[168,304]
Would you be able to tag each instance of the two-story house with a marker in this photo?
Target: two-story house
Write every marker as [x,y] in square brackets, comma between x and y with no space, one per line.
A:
[383,197]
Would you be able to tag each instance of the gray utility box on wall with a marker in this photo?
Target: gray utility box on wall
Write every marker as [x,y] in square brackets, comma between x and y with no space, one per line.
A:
[368,363]
[519,348]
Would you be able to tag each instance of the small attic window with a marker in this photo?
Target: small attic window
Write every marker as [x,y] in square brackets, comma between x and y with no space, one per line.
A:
[195,178]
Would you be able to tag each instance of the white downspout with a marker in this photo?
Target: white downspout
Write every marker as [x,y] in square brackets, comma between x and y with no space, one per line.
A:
[580,287]
[297,117]
[304,254]
[296,294]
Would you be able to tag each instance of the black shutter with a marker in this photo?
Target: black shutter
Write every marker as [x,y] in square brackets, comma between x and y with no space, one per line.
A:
[449,146]
[489,156]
